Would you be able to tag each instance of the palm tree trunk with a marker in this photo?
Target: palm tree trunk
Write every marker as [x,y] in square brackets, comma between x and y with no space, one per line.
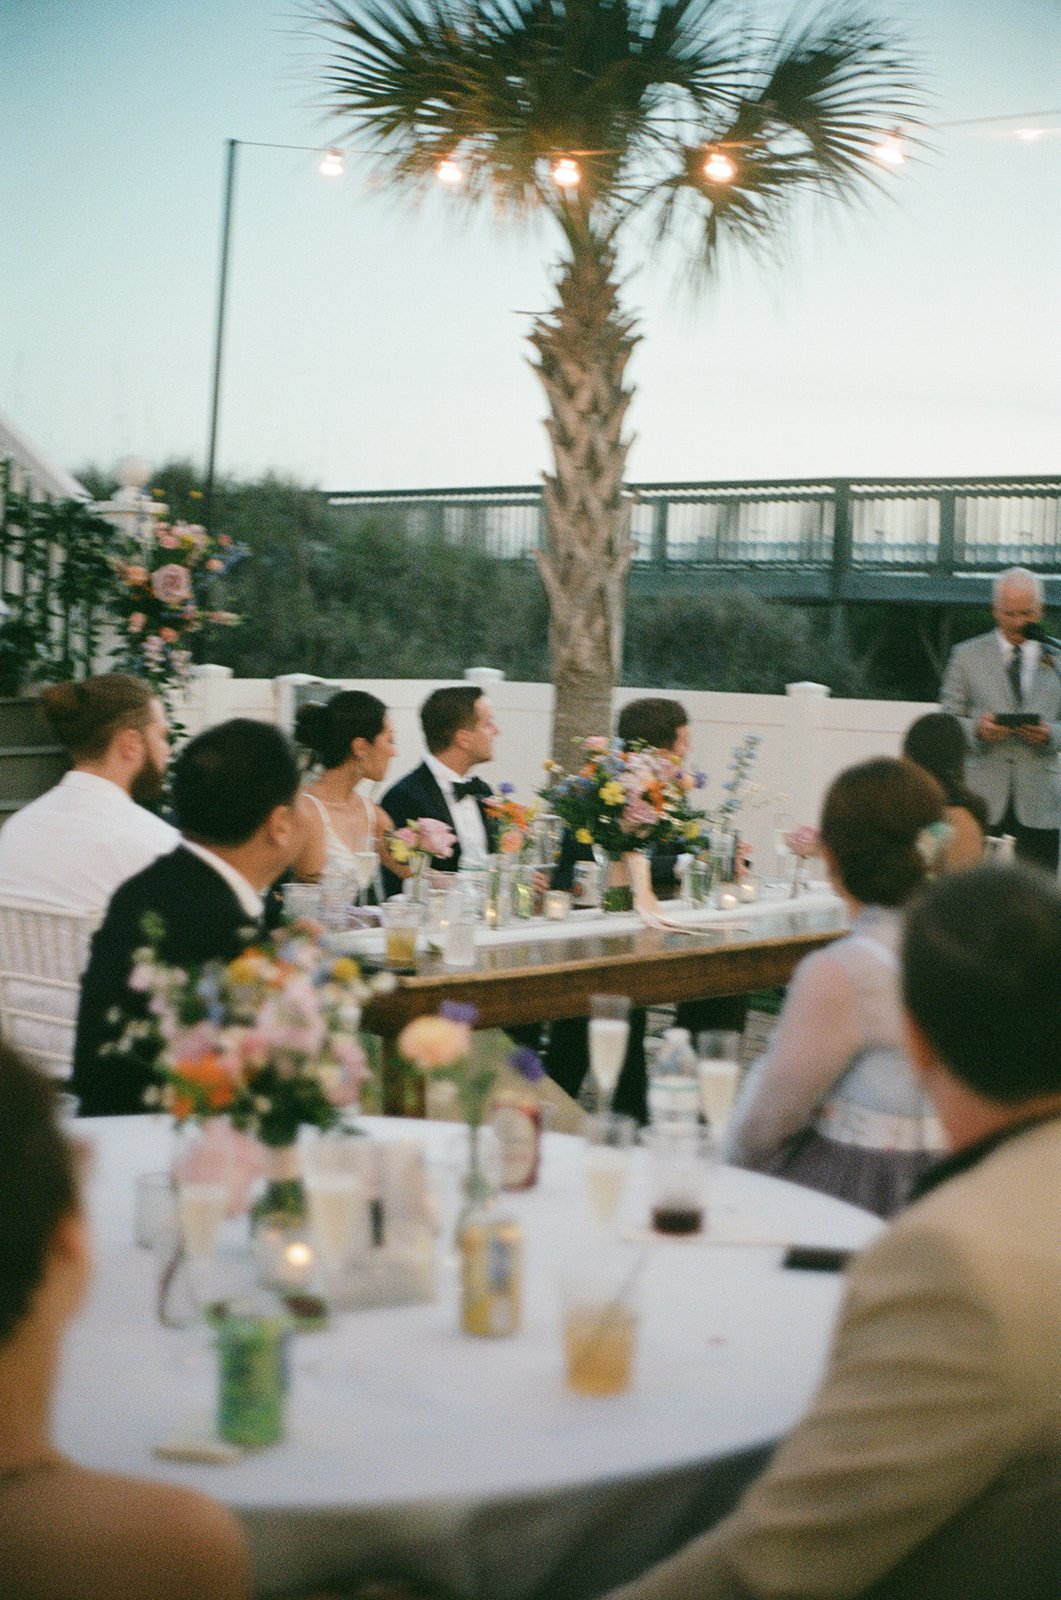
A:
[583,348]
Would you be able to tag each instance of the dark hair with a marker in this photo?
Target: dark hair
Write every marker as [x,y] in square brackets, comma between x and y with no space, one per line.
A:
[86,716]
[445,712]
[651,721]
[937,743]
[982,978]
[329,730]
[871,818]
[38,1183]
[228,780]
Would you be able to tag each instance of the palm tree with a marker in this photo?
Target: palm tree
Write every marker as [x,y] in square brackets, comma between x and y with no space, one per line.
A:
[636,122]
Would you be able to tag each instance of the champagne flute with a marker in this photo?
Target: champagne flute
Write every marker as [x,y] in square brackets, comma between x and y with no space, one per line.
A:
[609,1030]
[609,1140]
[718,1068]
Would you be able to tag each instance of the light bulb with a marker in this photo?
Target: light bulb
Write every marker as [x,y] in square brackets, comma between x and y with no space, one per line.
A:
[566,173]
[449,172]
[331,164]
[718,168]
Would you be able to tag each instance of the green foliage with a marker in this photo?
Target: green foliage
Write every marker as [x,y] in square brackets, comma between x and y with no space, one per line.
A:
[54,556]
[731,641]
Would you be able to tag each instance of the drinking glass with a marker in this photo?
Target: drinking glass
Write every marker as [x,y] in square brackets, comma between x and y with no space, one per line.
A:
[678,1156]
[609,1141]
[599,1317]
[203,1175]
[718,1066]
[401,923]
[337,1198]
[609,1030]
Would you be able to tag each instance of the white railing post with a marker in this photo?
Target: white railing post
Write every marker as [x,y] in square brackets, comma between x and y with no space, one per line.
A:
[204,696]
[804,766]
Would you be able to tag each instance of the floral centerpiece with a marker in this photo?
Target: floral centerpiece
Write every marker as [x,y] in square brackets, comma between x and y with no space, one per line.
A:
[268,1040]
[625,799]
[415,844]
[511,819]
[160,601]
[444,1046]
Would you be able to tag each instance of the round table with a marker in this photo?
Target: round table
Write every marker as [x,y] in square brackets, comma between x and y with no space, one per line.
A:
[415,1450]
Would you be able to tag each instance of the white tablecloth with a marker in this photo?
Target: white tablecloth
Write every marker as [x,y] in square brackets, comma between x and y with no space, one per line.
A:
[414,1449]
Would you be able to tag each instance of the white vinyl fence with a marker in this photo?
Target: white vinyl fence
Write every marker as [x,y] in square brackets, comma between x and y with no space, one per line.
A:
[807,737]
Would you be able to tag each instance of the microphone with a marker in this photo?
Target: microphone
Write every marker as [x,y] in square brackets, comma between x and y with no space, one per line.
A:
[1034,630]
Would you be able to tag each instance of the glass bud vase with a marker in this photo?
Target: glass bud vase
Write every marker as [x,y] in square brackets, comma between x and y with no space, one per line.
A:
[617,893]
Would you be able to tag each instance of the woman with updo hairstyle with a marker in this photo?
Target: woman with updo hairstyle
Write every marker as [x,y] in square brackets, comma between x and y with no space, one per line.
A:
[834,1102]
[937,743]
[350,740]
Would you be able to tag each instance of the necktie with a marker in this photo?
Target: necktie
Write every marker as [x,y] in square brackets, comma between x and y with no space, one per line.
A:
[1013,674]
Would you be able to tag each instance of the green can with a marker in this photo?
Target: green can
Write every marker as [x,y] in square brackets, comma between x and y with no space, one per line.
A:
[252,1377]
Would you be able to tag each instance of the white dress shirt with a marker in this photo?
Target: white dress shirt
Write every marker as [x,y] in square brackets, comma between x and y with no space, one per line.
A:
[71,848]
[1030,651]
[467,818]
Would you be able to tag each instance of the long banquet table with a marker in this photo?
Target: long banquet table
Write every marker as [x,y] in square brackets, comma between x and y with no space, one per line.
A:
[413,1450]
[534,971]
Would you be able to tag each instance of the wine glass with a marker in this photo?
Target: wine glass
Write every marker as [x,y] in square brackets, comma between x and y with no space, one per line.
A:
[609,1140]
[718,1066]
[609,1030]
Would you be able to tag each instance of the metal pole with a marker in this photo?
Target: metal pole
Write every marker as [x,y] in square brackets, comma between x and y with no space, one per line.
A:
[219,334]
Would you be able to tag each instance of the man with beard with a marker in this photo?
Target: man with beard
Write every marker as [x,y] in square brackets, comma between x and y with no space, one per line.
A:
[71,848]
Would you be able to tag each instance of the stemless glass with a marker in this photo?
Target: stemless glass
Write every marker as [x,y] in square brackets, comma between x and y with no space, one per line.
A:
[337,1199]
[609,1030]
[365,876]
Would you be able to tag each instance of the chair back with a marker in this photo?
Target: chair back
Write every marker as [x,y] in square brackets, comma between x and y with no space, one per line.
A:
[43,953]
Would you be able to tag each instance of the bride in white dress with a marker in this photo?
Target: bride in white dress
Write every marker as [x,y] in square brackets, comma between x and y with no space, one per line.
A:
[350,739]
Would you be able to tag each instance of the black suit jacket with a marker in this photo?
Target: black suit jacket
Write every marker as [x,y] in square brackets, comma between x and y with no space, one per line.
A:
[418,795]
[204,921]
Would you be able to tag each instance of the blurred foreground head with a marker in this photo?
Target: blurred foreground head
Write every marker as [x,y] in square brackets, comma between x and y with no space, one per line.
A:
[982,979]
[38,1185]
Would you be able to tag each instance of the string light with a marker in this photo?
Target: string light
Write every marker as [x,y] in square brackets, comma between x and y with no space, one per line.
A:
[449,172]
[566,173]
[718,168]
[890,152]
[331,164]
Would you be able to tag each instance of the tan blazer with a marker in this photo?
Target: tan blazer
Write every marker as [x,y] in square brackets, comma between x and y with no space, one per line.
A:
[941,1403]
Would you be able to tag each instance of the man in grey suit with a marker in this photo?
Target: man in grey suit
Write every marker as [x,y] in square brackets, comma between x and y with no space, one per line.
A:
[1014,766]
[929,1464]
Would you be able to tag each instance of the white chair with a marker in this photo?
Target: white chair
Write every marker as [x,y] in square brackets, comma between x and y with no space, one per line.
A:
[43,953]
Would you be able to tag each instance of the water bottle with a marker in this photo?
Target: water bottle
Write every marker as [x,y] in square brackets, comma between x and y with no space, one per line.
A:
[674,1088]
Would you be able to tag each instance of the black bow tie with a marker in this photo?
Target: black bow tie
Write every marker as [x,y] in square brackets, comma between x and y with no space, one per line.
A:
[474,787]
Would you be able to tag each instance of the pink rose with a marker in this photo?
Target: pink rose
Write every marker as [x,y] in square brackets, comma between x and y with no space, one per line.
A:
[597,743]
[432,1042]
[171,584]
[215,565]
[437,838]
[166,540]
[137,622]
[802,842]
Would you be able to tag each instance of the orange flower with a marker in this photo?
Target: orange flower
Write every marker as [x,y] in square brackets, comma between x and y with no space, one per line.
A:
[168,635]
[208,1076]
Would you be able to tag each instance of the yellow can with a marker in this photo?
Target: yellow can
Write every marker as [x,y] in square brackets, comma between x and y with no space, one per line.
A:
[491,1276]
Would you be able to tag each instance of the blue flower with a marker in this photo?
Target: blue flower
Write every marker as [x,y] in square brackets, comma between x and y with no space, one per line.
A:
[459,1011]
[506,788]
[527,1063]
[699,779]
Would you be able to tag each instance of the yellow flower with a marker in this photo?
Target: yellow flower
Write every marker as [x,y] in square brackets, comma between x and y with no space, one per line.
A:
[551,766]
[613,794]
[399,850]
[692,830]
[345,970]
[246,968]
[584,836]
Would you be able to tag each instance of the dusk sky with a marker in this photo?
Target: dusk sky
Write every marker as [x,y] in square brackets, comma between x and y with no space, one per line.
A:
[371,345]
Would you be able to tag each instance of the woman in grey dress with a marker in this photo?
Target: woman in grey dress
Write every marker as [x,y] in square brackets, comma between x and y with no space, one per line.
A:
[833,1103]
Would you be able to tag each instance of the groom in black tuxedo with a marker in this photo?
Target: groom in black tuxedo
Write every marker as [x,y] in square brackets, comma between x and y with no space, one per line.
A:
[459,731]
[235,798]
